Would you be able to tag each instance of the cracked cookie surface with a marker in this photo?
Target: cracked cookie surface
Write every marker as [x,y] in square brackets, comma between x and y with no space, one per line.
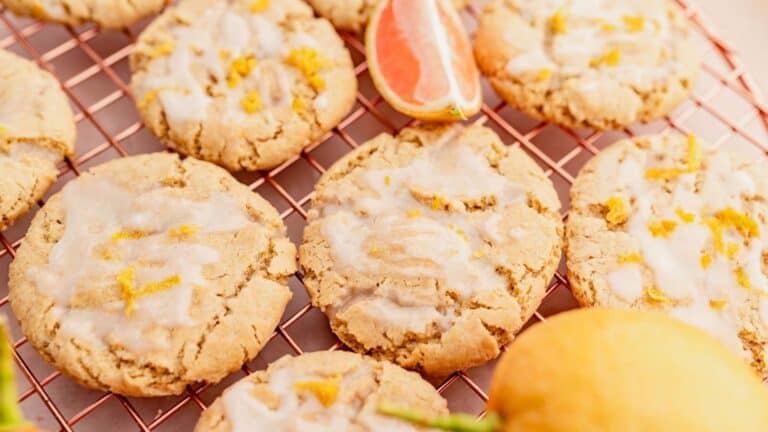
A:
[37,131]
[325,390]
[241,83]
[112,14]
[352,15]
[432,248]
[582,63]
[667,223]
[148,274]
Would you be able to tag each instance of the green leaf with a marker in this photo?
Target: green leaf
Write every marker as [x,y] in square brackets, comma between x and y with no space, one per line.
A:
[11,418]
[454,422]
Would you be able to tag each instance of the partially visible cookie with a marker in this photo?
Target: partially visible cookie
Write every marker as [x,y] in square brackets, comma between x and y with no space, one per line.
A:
[583,63]
[245,84]
[112,14]
[431,248]
[352,15]
[665,223]
[148,274]
[37,131]
[333,391]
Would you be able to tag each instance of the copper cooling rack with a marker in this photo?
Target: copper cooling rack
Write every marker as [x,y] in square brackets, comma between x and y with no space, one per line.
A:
[92,65]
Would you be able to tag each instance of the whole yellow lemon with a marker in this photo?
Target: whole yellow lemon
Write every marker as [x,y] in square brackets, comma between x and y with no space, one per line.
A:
[624,371]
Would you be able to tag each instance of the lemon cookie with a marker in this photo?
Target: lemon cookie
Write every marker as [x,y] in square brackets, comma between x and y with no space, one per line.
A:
[353,15]
[113,14]
[432,248]
[245,84]
[37,131]
[582,63]
[664,222]
[333,391]
[148,274]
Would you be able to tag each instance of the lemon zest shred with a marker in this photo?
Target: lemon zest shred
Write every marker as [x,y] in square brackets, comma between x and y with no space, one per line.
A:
[259,6]
[607,26]
[685,216]
[325,390]
[634,23]
[543,74]
[693,161]
[151,95]
[731,250]
[656,296]
[479,253]
[162,285]
[387,180]
[310,62]
[662,228]
[609,58]
[741,278]
[438,202]
[631,258]
[705,260]
[183,230]
[717,304]
[126,281]
[128,235]
[558,22]
[741,222]
[298,105]
[239,68]
[413,213]
[163,49]
[251,102]
[616,213]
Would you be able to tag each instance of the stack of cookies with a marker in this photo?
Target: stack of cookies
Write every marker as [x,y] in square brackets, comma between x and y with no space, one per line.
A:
[427,250]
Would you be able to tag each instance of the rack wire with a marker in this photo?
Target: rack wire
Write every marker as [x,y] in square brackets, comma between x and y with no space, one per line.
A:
[726,108]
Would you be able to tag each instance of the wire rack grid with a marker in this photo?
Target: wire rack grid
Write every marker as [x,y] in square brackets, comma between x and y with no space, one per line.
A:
[725,108]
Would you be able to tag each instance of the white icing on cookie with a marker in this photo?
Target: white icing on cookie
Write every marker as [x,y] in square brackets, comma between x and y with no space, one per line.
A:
[109,229]
[399,226]
[626,282]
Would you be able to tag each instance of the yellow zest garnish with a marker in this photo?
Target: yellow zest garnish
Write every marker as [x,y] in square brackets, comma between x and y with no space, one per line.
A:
[298,105]
[387,180]
[685,216]
[129,293]
[705,261]
[693,161]
[251,102]
[317,83]
[717,304]
[558,23]
[630,258]
[438,203]
[616,211]
[224,54]
[374,248]
[240,68]
[633,24]
[731,250]
[459,231]
[716,228]
[183,230]
[742,279]
[128,235]
[151,95]
[655,295]
[607,27]
[259,6]
[310,63]
[742,222]
[161,50]
[479,253]
[413,213]
[325,390]
[543,74]
[609,58]
[662,228]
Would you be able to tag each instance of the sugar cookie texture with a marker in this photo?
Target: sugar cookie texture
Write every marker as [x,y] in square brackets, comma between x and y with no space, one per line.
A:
[37,131]
[588,63]
[668,223]
[432,248]
[113,14]
[244,84]
[353,15]
[321,391]
[148,274]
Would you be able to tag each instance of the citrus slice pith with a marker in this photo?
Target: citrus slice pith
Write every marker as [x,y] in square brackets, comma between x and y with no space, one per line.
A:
[420,59]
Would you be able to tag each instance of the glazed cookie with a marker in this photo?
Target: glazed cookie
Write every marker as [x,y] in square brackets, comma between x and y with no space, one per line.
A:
[353,15]
[148,274]
[432,248]
[333,391]
[37,131]
[245,84]
[583,63]
[664,223]
[112,14]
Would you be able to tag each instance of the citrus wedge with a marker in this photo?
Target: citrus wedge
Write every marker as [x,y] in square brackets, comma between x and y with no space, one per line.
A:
[420,59]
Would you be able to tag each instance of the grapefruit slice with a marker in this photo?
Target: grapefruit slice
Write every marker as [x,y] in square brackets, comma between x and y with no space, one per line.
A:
[420,59]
